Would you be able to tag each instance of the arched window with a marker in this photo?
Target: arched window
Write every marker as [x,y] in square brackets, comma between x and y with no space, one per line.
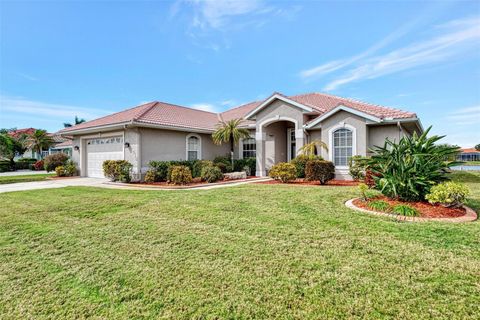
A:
[193,147]
[342,146]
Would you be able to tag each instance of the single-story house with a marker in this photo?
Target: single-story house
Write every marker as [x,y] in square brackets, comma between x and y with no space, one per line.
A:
[61,144]
[280,125]
[469,154]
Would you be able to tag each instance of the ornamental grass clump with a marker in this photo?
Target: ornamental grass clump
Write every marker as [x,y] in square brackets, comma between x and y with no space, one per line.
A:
[284,172]
[448,194]
[407,170]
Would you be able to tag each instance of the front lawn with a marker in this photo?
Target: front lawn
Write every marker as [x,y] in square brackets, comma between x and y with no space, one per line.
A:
[25,178]
[251,251]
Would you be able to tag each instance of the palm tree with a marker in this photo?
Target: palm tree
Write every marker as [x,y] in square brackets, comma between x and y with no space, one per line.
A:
[310,148]
[230,131]
[38,141]
[77,121]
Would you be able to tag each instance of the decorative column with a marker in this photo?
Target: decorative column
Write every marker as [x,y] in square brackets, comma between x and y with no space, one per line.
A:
[299,140]
[260,153]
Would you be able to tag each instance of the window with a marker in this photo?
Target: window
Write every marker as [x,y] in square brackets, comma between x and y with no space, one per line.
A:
[249,148]
[193,147]
[342,146]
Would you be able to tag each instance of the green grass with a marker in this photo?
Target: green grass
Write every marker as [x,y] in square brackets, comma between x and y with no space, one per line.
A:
[252,251]
[471,163]
[25,178]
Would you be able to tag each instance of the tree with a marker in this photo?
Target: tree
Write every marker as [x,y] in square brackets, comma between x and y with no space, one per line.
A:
[310,148]
[77,121]
[10,147]
[477,147]
[38,141]
[230,132]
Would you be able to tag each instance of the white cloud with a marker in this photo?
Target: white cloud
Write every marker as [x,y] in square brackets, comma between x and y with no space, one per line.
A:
[204,106]
[465,116]
[45,109]
[461,36]
[27,76]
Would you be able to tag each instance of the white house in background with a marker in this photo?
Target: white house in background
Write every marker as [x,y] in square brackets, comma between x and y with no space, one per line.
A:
[280,125]
[62,144]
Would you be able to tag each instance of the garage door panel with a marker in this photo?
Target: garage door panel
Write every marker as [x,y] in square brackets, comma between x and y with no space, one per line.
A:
[101,149]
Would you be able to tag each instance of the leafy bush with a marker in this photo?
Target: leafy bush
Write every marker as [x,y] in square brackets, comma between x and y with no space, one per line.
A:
[300,163]
[211,174]
[117,170]
[283,171]
[448,194]
[224,163]
[408,169]
[68,170]
[357,167]
[319,170]
[39,165]
[5,165]
[405,210]
[379,205]
[160,168]
[24,163]
[54,160]
[180,175]
[363,188]
[198,167]
[150,176]
[240,164]
[247,170]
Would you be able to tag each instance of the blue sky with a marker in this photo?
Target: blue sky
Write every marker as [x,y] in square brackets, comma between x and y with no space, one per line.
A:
[61,59]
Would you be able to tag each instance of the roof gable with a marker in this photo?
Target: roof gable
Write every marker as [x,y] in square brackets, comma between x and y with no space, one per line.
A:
[277,96]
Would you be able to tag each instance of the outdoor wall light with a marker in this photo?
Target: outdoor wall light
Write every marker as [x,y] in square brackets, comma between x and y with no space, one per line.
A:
[127,144]
[76,148]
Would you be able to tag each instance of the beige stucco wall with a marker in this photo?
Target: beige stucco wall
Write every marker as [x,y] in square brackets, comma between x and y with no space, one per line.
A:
[283,109]
[167,145]
[378,134]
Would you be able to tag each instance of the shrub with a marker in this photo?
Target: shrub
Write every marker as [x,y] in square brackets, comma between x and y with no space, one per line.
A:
[319,170]
[180,175]
[363,188]
[225,160]
[198,167]
[240,164]
[357,167]
[300,162]
[405,210]
[39,165]
[5,165]
[283,171]
[448,194]
[117,170]
[68,170]
[247,170]
[150,176]
[54,160]
[408,169]
[211,174]
[380,205]
[160,168]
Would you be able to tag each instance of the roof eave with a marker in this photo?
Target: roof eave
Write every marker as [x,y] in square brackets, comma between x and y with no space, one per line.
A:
[273,97]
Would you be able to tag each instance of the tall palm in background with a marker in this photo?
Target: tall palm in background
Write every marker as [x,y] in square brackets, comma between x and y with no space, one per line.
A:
[230,132]
[313,148]
[77,121]
[38,141]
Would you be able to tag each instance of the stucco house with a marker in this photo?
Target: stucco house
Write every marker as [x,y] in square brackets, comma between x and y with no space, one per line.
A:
[280,125]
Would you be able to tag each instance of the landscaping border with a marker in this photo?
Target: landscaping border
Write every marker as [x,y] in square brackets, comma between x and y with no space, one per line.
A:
[470,215]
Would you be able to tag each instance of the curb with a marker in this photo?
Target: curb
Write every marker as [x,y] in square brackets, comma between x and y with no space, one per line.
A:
[470,215]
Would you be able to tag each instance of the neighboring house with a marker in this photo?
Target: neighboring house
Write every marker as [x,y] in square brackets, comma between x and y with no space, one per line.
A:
[62,144]
[469,154]
[279,126]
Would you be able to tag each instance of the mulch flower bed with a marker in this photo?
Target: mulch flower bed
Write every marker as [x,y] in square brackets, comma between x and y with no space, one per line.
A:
[195,182]
[425,209]
[303,182]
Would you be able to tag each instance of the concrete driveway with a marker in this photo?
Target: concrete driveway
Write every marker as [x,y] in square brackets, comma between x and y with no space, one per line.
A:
[22,173]
[49,184]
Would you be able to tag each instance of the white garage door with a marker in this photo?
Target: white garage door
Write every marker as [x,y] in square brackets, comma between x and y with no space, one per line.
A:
[101,149]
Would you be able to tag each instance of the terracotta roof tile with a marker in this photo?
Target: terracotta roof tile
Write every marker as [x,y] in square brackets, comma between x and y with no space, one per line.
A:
[165,114]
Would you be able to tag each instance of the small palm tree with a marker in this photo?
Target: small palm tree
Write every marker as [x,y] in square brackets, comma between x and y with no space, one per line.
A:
[38,141]
[230,131]
[77,121]
[310,148]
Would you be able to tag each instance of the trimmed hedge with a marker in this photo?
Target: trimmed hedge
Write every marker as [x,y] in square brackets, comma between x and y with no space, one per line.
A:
[283,171]
[319,170]
[117,170]
[300,163]
[211,174]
